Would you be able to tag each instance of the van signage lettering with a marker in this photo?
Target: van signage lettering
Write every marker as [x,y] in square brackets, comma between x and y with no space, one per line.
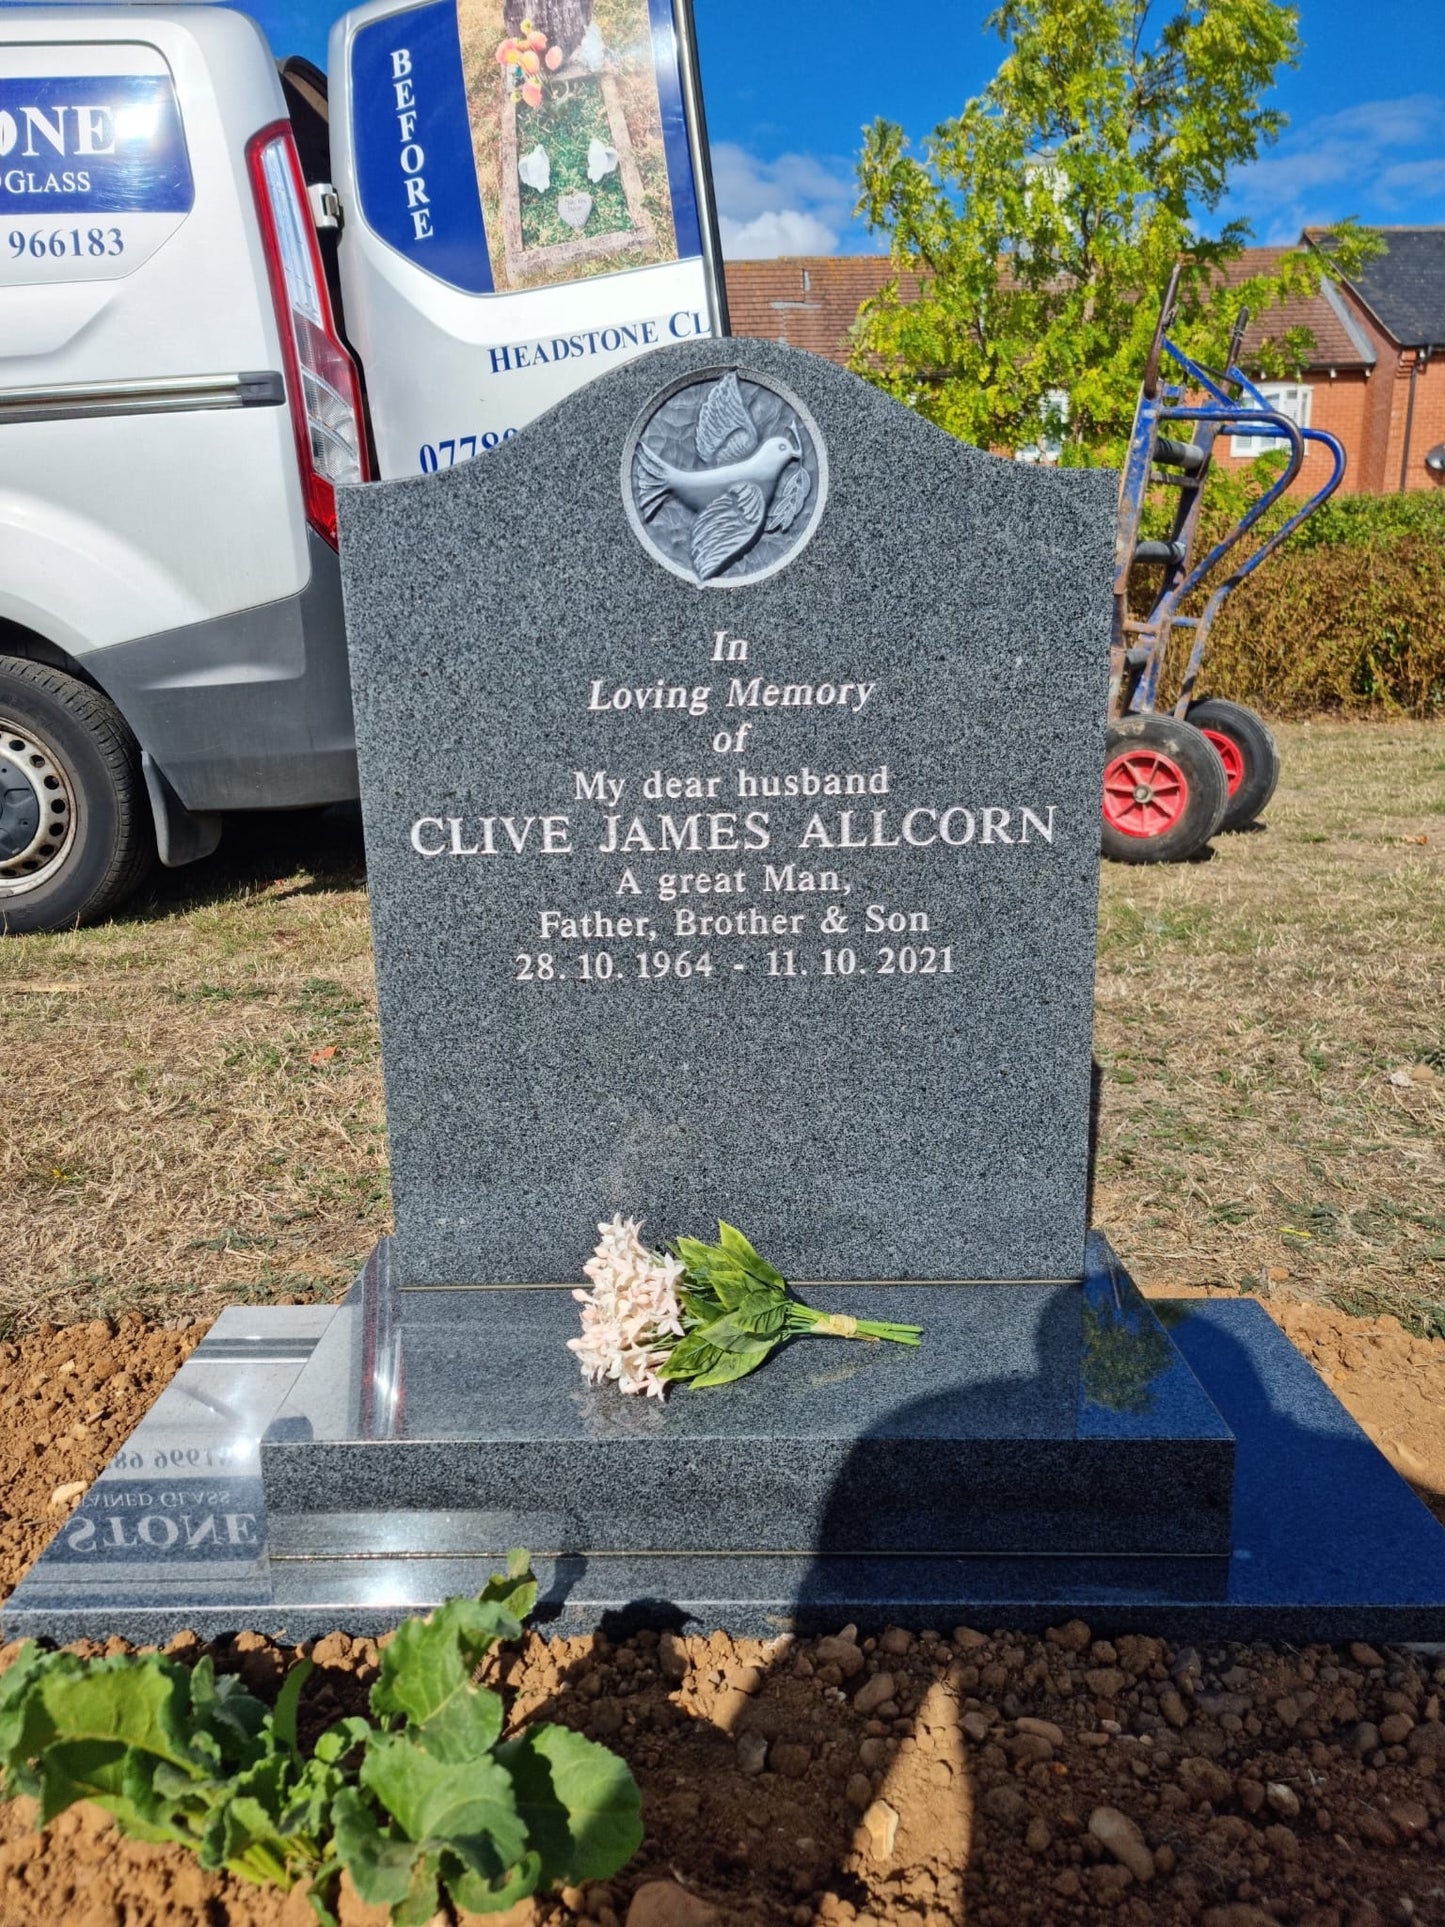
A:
[92,144]
[415,171]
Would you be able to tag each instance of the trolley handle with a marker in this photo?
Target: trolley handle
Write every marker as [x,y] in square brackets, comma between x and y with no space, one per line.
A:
[1161,328]
[1321,495]
[1270,421]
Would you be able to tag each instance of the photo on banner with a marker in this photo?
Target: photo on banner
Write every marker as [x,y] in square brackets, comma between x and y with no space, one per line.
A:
[570,103]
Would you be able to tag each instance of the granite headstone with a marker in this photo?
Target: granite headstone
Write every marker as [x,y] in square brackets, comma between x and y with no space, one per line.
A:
[731,747]
[731,754]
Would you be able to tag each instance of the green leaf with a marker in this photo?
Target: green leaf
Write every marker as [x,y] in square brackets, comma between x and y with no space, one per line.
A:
[733,1366]
[765,1314]
[72,1770]
[428,1667]
[579,1803]
[224,1711]
[466,1727]
[431,1798]
[379,1861]
[307,1809]
[131,1702]
[737,1247]
[729,1334]
[273,1824]
[20,1704]
[338,1740]
[421,1899]
[251,1845]
[690,1355]
[516,1590]
[477,1895]
[712,1272]
[288,1701]
[694,1254]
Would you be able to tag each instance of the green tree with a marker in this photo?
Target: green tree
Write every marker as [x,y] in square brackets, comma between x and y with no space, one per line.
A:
[1034,238]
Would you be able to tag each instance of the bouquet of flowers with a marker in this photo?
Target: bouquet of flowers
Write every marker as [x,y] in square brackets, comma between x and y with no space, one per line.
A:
[704,1314]
[524,59]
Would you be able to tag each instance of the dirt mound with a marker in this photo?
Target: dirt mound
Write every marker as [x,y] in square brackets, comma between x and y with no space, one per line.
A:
[911,1781]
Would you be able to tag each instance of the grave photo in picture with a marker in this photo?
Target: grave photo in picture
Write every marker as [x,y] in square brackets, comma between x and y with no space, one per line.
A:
[565,99]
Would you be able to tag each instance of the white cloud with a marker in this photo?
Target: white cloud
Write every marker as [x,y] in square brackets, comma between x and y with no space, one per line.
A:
[796,204]
[1377,160]
[786,231]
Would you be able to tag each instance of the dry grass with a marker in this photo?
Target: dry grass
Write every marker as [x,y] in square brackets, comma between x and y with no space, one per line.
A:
[175,1135]
[1271,1029]
[169,1142]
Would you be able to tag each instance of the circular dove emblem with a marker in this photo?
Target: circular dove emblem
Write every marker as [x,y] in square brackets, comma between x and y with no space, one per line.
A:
[724,478]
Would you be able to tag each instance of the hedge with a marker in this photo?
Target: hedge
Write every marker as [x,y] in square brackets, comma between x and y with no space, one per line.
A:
[1348,616]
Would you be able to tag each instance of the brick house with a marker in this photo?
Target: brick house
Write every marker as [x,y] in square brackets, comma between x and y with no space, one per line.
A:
[1375,378]
[1398,300]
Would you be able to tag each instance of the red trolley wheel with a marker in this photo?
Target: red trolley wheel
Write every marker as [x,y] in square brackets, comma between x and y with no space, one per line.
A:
[1248,752]
[1164,790]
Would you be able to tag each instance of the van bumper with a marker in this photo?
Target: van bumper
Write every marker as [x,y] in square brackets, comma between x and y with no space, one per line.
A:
[250,711]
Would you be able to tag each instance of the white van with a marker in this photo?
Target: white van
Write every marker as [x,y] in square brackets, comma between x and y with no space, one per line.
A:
[177,406]
[176,412]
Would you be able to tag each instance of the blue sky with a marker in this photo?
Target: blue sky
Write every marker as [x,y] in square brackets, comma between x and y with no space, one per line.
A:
[786,106]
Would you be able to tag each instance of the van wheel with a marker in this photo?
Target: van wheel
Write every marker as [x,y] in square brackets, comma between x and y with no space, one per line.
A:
[75,826]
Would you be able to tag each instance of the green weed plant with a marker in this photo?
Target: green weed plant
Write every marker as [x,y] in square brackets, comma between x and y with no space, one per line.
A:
[424,1805]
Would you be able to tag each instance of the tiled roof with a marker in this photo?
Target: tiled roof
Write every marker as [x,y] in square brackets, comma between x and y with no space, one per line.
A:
[809,301]
[1339,340]
[1405,287]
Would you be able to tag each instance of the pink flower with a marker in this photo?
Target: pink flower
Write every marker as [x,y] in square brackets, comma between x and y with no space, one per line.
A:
[630,1313]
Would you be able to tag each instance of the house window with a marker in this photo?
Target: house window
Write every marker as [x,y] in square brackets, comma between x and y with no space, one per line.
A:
[1054,421]
[1288,398]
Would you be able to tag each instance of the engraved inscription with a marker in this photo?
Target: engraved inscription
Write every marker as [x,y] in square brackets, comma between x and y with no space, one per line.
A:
[722,864]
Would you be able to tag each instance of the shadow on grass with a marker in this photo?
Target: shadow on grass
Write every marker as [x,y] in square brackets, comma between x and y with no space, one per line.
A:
[315,852]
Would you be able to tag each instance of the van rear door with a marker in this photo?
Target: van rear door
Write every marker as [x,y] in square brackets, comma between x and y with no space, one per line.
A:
[153,520]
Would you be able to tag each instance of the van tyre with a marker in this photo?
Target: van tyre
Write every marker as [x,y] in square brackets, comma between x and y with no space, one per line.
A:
[1165,791]
[75,822]
[1249,753]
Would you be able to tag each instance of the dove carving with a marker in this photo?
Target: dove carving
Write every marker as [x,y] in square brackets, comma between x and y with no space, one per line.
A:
[746,485]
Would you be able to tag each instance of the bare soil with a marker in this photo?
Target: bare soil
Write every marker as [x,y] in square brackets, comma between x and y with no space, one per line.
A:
[793,1785]
[911,1782]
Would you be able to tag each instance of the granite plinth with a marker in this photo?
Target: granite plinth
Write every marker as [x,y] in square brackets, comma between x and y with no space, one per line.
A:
[773,899]
[1329,1542]
[1045,1419]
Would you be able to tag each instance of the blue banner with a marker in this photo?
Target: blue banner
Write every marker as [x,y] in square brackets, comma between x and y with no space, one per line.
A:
[676,145]
[92,144]
[414,166]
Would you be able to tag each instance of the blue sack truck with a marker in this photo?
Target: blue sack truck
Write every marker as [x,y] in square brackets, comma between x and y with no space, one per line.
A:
[1172,780]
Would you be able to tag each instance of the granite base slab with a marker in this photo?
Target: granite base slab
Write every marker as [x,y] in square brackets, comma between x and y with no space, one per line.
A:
[1039,1419]
[1329,1542]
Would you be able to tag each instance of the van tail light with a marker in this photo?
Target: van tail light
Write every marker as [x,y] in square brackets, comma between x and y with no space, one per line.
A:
[320,375]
